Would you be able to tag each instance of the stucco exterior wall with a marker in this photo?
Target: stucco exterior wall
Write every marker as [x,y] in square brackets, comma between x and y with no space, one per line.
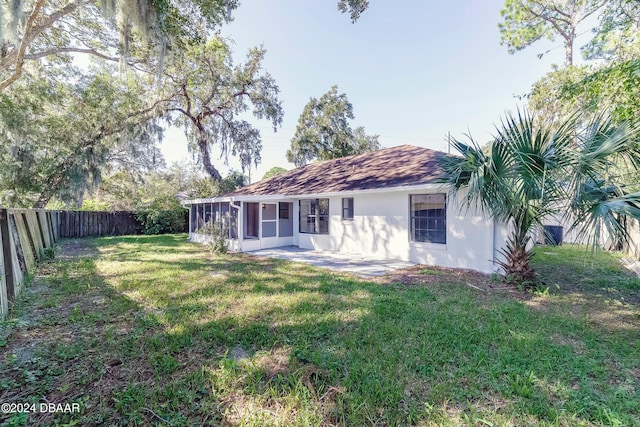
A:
[381,230]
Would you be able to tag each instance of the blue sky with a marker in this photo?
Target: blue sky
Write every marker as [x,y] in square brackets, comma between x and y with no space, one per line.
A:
[413,70]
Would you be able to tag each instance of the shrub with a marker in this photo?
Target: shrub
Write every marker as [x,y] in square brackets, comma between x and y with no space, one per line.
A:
[164,215]
[219,234]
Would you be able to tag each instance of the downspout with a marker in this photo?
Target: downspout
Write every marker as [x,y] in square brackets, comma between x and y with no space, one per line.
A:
[493,245]
[189,230]
[239,220]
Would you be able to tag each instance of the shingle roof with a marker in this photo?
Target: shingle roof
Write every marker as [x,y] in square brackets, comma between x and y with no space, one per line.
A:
[389,167]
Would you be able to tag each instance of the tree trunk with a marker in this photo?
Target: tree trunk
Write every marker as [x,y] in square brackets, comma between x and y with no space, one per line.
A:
[517,259]
[568,48]
[206,159]
[42,201]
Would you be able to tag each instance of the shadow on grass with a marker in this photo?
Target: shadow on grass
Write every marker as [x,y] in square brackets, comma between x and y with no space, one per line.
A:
[592,286]
[201,340]
[577,268]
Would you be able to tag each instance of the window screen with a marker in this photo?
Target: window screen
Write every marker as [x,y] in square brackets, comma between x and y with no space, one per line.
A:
[314,216]
[429,218]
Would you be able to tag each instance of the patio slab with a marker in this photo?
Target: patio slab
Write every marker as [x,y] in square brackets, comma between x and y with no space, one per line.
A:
[348,263]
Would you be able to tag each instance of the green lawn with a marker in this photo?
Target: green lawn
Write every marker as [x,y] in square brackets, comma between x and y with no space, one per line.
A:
[155,330]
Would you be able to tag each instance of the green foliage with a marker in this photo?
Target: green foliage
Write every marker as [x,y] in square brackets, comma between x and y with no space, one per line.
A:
[163,215]
[276,170]
[63,128]
[230,183]
[536,169]
[102,119]
[354,8]
[156,191]
[49,253]
[324,132]
[616,37]
[614,88]
[208,187]
[608,83]
[204,187]
[610,88]
[527,21]
[551,98]
[218,233]
[89,122]
[132,189]
[94,205]
[135,33]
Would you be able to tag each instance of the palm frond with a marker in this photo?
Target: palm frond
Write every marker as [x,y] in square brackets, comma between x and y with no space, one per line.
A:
[536,170]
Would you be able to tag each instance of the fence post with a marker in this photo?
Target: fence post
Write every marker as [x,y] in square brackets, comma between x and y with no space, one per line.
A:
[6,253]
[17,243]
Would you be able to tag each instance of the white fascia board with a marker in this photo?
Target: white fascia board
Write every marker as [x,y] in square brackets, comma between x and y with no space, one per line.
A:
[410,188]
[275,197]
[207,200]
[224,199]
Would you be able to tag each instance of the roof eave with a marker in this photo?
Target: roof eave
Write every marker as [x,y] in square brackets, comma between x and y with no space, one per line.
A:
[267,197]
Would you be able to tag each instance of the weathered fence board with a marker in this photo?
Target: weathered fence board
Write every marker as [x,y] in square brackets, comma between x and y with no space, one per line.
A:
[633,247]
[7,284]
[4,301]
[36,234]
[18,273]
[24,236]
[44,225]
[26,243]
[25,264]
[95,224]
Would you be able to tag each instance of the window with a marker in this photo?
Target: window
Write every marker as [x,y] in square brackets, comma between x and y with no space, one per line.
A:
[429,218]
[284,210]
[347,209]
[314,216]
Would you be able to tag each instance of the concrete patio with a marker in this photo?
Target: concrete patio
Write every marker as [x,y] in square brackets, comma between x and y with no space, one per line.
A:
[348,263]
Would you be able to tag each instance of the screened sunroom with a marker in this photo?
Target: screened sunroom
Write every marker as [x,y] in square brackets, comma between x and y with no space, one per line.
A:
[247,225]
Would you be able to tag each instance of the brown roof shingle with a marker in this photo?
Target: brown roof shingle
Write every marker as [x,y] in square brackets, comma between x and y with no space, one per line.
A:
[388,167]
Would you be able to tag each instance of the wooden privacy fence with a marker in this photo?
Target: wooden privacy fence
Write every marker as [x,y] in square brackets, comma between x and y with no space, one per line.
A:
[94,224]
[26,234]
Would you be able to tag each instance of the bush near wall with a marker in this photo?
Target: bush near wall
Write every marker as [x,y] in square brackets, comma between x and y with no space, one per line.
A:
[163,216]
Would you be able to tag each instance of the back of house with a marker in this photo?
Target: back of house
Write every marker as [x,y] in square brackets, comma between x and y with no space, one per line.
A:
[386,204]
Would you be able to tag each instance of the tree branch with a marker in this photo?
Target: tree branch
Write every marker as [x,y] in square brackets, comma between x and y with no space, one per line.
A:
[58,176]
[57,50]
[31,30]
[551,21]
[19,62]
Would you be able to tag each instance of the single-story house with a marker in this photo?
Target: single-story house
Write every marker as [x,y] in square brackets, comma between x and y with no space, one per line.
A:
[386,204]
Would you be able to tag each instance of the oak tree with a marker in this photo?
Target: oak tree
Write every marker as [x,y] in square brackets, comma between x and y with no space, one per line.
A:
[210,96]
[324,131]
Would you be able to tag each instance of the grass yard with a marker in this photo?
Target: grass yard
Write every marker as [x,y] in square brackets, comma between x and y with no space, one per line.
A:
[157,331]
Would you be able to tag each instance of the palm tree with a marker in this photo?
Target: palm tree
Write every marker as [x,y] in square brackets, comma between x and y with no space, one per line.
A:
[533,170]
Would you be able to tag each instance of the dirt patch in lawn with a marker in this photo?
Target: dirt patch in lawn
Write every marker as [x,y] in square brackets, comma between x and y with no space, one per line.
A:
[429,275]
[76,248]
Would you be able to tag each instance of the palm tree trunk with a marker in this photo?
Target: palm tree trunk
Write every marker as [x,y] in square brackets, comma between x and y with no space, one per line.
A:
[517,258]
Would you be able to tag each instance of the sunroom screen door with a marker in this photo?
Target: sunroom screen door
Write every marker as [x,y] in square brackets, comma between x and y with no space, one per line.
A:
[269,229]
